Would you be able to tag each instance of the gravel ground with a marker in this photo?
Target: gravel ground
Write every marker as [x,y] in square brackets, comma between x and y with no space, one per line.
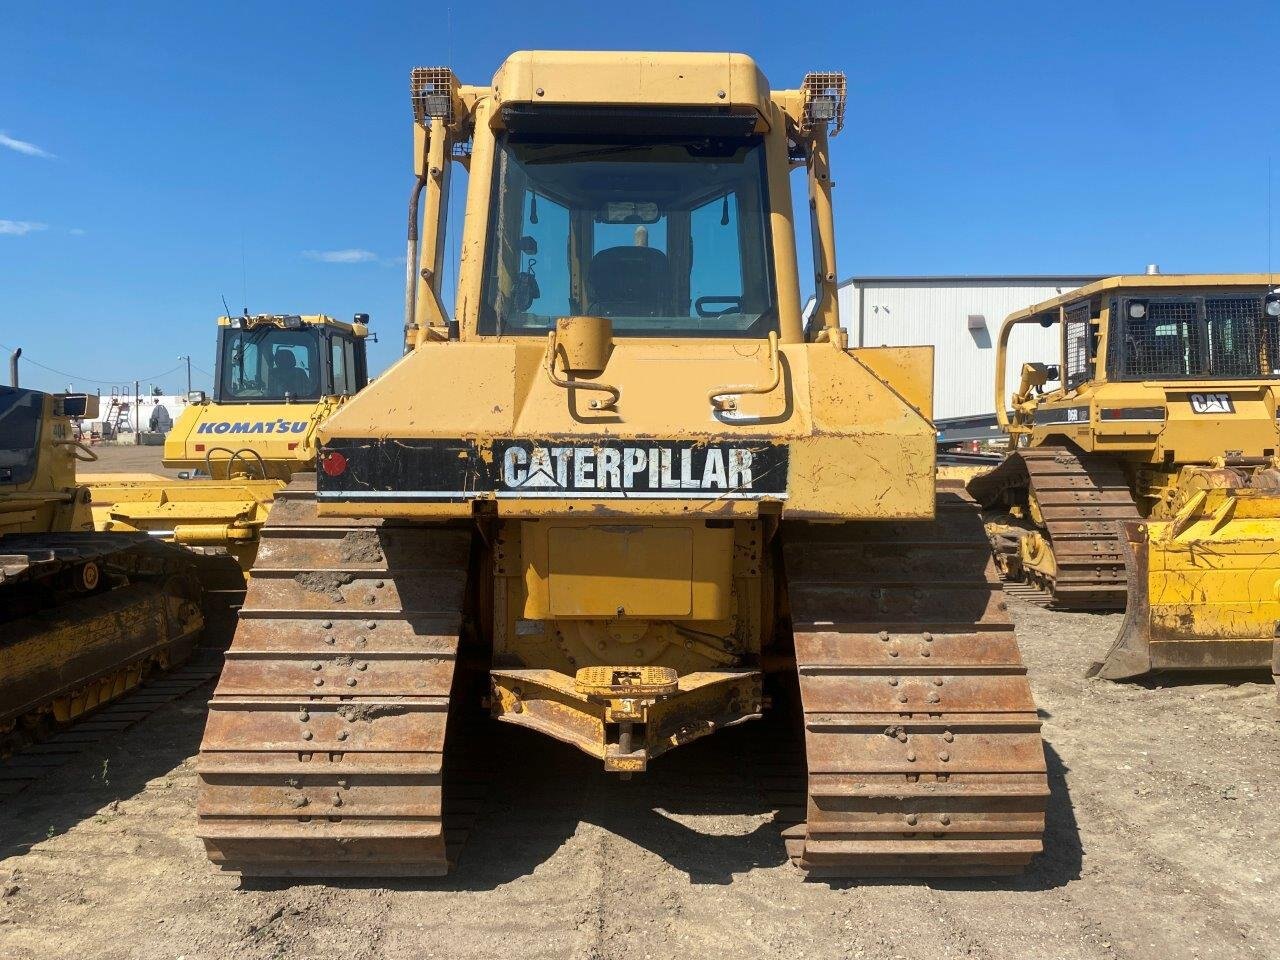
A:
[1163,843]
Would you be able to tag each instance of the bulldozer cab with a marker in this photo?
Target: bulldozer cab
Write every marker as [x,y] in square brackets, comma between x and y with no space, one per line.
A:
[20,416]
[663,208]
[1142,361]
[272,359]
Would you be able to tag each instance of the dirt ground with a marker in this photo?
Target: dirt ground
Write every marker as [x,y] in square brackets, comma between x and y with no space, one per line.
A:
[126,458]
[1163,843]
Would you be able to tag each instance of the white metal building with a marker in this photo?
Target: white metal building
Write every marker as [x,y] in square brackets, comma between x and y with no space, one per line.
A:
[961,317]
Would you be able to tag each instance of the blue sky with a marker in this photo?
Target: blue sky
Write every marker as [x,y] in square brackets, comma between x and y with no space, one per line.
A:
[155,157]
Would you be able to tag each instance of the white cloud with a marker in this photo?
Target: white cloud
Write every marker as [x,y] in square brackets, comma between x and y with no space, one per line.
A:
[20,228]
[77,231]
[341,256]
[23,147]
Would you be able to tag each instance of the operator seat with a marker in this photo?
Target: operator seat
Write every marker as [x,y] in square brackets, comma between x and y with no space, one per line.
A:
[287,377]
[629,282]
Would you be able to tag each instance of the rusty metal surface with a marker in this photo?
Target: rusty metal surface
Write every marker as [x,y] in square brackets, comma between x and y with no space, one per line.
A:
[323,754]
[1084,500]
[922,740]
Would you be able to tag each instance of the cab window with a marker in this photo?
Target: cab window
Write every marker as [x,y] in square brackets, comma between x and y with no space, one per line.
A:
[20,414]
[664,236]
[342,357]
[1223,337]
[269,364]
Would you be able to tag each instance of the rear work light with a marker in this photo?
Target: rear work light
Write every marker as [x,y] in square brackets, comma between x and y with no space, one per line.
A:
[333,463]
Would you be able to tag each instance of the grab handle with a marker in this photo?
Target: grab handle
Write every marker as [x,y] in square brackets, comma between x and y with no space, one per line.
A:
[725,398]
[614,393]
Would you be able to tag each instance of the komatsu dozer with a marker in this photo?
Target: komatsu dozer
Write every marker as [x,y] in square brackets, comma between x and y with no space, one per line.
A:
[1142,471]
[84,616]
[625,498]
[276,379]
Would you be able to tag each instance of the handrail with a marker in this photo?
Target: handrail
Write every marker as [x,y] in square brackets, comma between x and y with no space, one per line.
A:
[550,366]
[76,445]
[720,401]
[1002,356]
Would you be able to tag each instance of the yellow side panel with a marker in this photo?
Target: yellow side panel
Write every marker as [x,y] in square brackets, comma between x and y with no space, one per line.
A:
[869,456]
[908,371]
[282,434]
[870,477]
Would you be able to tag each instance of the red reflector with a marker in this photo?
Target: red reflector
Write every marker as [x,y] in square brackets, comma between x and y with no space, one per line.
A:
[199,447]
[293,446]
[334,463]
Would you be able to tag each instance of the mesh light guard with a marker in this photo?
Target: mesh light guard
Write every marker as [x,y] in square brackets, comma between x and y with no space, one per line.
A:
[432,91]
[825,93]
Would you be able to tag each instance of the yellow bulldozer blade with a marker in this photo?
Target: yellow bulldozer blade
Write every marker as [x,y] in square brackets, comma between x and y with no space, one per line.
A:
[1204,587]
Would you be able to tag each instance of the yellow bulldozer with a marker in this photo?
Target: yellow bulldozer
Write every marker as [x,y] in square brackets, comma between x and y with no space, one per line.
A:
[1142,471]
[625,497]
[84,616]
[276,379]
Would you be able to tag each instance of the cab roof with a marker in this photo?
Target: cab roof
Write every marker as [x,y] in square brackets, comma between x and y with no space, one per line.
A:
[283,320]
[1156,283]
[630,78]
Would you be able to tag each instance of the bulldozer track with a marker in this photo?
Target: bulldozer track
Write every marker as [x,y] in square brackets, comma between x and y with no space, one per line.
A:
[1028,592]
[85,619]
[324,751]
[33,763]
[1084,501]
[922,740]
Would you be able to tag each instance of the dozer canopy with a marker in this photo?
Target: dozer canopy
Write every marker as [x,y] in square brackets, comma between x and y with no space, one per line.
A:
[269,359]
[276,378]
[38,453]
[1166,369]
